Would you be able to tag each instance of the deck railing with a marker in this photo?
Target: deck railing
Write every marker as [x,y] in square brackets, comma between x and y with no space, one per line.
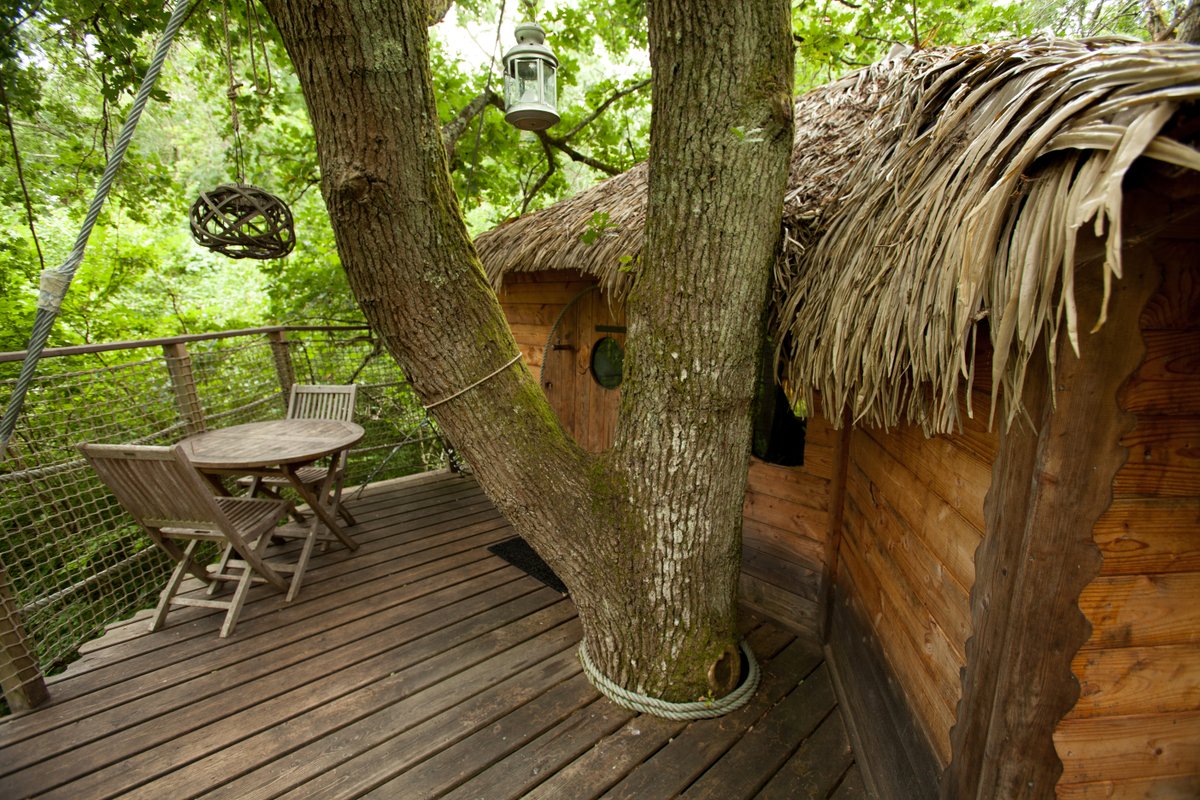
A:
[71,560]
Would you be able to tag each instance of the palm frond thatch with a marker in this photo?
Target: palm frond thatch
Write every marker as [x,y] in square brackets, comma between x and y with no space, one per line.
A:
[928,193]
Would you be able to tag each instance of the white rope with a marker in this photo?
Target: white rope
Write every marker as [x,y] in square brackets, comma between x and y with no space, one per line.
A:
[484,379]
[698,709]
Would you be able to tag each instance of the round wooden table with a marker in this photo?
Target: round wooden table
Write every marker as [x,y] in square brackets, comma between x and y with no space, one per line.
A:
[275,447]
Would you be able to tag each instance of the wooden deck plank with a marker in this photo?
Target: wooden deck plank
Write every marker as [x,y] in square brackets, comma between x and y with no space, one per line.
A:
[608,761]
[307,712]
[99,689]
[759,754]
[852,787]
[816,767]
[516,775]
[468,757]
[539,665]
[209,680]
[419,666]
[673,768]
[377,546]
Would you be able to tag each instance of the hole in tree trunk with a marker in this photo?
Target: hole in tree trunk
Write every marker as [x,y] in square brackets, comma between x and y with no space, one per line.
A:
[726,672]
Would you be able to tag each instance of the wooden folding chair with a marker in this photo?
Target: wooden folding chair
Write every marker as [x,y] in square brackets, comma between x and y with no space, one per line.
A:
[172,501]
[316,401]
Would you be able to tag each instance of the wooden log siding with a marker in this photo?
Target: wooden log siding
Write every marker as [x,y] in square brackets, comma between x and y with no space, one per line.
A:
[786,513]
[1135,730]
[912,520]
[785,529]
[532,301]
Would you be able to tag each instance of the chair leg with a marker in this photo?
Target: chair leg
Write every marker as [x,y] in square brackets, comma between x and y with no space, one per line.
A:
[239,597]
[302,562]
[172,587]
[222,566]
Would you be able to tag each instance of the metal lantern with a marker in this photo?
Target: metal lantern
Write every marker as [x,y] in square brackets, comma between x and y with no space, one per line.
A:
[530,90]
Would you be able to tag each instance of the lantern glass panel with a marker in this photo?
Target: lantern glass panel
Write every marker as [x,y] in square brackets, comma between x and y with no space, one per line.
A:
[524,81]
[550,90]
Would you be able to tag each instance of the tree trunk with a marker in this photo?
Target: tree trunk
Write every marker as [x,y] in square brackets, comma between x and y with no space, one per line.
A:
[646,537]
[721,136]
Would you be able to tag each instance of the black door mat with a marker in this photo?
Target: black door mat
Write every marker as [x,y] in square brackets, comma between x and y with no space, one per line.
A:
[516,552]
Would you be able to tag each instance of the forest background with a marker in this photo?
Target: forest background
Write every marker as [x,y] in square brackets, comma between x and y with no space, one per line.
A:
[69,69]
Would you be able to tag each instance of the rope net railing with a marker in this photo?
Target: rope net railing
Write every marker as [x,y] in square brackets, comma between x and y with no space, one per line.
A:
[72,561]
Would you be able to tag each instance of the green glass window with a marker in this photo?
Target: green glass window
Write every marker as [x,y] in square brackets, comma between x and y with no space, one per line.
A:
[608,357]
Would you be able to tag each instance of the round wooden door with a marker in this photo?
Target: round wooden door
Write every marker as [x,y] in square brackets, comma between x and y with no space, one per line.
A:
[581,370]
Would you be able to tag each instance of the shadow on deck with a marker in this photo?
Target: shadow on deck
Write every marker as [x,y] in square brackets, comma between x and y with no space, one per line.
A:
[419,666]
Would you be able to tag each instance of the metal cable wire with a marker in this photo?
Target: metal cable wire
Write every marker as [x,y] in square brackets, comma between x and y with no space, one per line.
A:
[55,282]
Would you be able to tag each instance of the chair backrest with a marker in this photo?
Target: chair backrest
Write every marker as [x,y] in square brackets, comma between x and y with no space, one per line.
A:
[157,485]
[310,401]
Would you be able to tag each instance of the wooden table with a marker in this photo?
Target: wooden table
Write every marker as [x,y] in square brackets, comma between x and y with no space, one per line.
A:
[277,447]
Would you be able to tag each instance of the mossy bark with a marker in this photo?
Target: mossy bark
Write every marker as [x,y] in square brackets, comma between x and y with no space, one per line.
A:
[647,536]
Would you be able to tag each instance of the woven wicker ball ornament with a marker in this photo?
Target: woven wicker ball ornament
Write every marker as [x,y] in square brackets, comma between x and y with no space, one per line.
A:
[243,222]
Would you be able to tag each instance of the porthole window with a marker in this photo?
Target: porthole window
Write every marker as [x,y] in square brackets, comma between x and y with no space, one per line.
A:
[608,358]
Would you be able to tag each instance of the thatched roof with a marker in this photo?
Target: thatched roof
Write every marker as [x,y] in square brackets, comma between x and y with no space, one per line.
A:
[928,192]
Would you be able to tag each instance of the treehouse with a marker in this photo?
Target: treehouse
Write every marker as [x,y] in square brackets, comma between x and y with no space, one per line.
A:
[986,316]
[970,536]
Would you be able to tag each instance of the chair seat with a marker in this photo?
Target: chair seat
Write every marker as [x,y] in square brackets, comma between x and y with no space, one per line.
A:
[307,475]
[253,513]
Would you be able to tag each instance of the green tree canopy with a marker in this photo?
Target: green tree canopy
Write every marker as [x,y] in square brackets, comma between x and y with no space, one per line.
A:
[69,68]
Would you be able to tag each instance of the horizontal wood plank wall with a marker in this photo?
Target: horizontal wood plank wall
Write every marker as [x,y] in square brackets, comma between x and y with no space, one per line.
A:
[1135,731]
[784,530]
[787,508]
[532,302]
[913,519]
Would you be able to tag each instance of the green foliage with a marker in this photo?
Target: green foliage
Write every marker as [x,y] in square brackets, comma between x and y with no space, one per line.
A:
[834,36]
[69,68]
[599,225]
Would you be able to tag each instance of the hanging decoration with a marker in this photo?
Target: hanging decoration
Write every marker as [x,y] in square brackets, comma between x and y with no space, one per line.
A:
[530,83]
[243,221]
[235,219]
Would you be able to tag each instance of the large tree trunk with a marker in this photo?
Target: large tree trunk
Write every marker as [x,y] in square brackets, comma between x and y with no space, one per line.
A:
[646,537]
[721,135]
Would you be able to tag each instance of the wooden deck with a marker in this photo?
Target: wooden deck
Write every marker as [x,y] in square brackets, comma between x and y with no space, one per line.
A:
[419,666]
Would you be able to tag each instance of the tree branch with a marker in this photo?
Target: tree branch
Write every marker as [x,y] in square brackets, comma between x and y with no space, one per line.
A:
[438,9]
[1185,27]
[551,168]
[453,129]
[575,155]
[12,134]
[600,109]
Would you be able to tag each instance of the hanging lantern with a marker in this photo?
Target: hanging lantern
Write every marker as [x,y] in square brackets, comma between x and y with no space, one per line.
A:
[530,90]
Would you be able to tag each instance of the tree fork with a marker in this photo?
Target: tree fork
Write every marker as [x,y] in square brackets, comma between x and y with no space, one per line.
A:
[646,536]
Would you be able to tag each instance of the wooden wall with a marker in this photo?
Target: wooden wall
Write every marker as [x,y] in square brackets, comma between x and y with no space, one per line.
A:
[785,531]
[913,519]
[533,303]
[1135,730]
[786,523]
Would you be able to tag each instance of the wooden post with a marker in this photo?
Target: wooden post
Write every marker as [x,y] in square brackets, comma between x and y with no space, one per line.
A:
[187,400]
[1049,486]
[283,363]
[837,508]
[20,677]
